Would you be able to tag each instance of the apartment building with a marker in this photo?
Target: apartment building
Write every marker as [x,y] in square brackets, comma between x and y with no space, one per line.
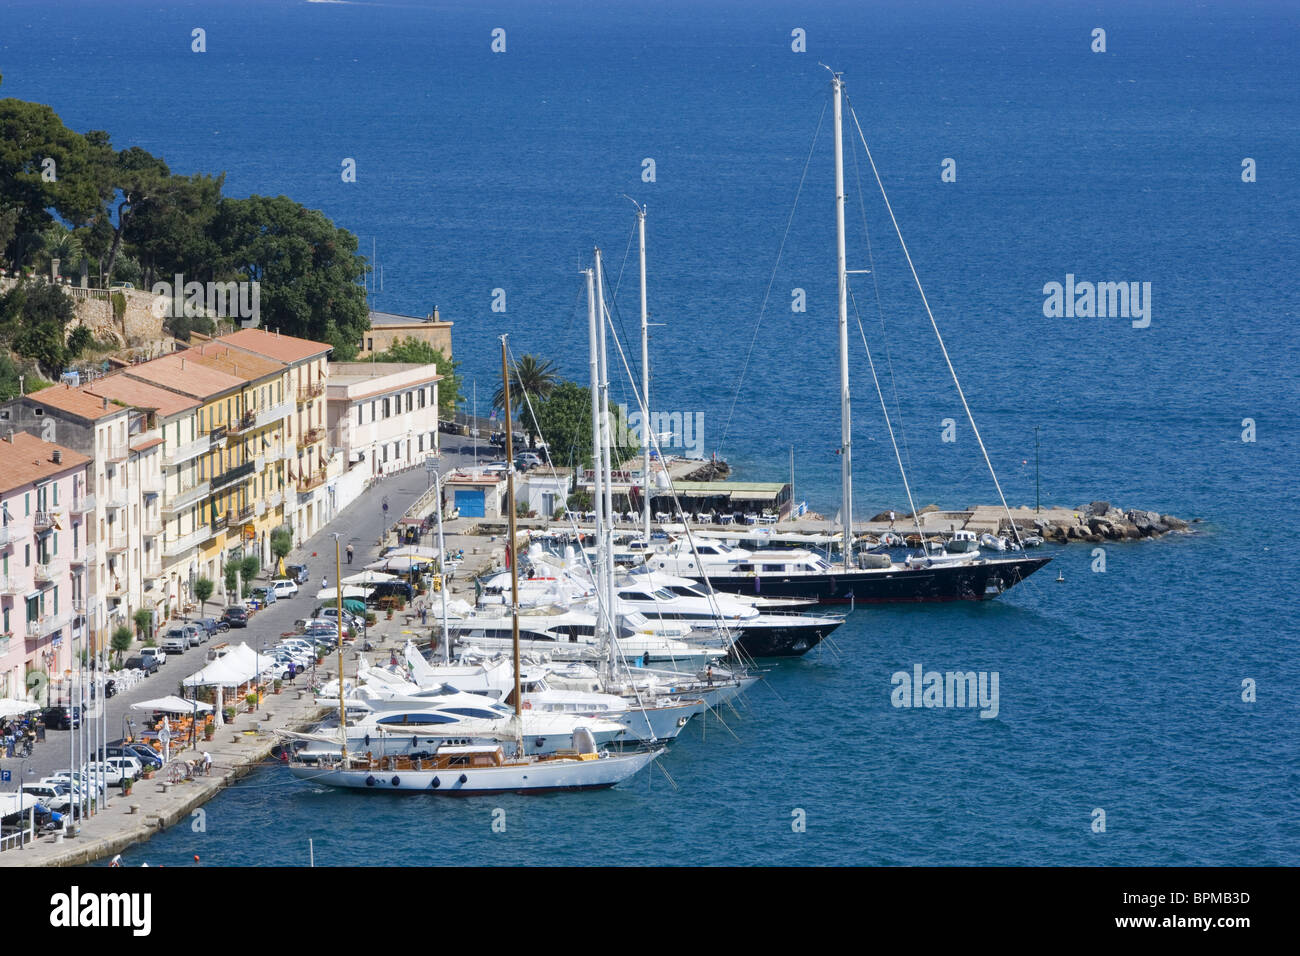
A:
[383,416]
[309,502]
[43,560]
[171,435]
[120,501]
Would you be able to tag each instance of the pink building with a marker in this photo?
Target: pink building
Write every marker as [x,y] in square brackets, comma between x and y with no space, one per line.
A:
[43,558]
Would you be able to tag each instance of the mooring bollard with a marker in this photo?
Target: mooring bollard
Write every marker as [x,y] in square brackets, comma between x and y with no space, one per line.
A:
[133,808]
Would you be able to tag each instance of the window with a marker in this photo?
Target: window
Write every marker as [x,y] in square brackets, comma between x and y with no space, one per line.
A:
[27,555]
[27,503]
[388,412]
[56,600]
[33,610]
[410,401]
[421,444]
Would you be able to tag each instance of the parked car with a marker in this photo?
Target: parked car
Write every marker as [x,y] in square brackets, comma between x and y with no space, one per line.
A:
[284,588]
[62,717]
[54,795]
[298,572]
[157,653]
[176,641]
[527,459]
[147,664]
[235,616]
[209,626]
[114,769]
[76,780]
[330,612]
[146,755]
[262,596]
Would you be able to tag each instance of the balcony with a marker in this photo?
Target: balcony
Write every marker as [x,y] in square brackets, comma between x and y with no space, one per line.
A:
[116,501]
[151,526]
[152,567]
[116,587]
[232,475]
[259,507]
[151,485]
[245,422]
[313,480]
[83,505]
[220,522]
[44,520]
[186,543]
[311,436]
[115,451]
[43,573]
[9,534]
[47,624]
[12,585]
[275,499]
[274,414]
[215,436]
[187,452]
[86,555]
[191,492]
[115,542]
[314,390]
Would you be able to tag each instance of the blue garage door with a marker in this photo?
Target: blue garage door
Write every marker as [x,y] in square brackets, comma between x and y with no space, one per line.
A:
[469,503]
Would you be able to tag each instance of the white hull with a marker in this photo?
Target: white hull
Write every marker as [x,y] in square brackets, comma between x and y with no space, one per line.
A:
[607,770]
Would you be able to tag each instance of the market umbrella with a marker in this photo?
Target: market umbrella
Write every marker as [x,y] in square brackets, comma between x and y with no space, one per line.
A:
[356,607]
[9,707]
[412,551]
[369,577]
[401,562]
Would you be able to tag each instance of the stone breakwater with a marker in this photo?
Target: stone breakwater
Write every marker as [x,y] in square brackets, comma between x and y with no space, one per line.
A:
[1093,522]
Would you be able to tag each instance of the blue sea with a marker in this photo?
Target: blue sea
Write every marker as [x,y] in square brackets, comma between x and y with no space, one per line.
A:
[1120,691]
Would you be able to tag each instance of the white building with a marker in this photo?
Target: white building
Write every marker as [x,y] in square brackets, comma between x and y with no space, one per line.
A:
[382,418]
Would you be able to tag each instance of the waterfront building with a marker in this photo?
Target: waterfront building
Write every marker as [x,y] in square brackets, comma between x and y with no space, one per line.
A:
[387,327]
[308,504]
[382,417]
[43,560]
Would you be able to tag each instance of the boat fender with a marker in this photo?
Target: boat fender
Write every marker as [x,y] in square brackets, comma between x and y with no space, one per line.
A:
[435,783]
[463,778]
[370,781]
[396,781]
[367,740]
[528,705]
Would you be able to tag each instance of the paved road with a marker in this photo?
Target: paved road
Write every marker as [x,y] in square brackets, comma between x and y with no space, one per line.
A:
[359,524]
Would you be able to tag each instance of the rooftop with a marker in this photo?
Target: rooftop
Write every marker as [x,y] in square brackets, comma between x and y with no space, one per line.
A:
[76,401]
[184,375]
[273,345]
[140,394]
[26,459]
[392,318]
[237,362]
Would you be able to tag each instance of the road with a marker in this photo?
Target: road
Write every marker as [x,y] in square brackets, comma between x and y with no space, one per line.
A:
[359,525]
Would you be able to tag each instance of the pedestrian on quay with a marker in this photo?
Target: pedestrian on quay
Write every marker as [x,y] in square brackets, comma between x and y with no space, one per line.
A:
[424,614]
[891,519]
[324,583]
[207,763]
[293,669]
[349,554]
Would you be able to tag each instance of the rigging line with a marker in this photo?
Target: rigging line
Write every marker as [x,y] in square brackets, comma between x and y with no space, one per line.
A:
[880,310]
[623,267]
[613,310]
[935,325]
[608,614]
[916,519]
[772,279]
[731,642]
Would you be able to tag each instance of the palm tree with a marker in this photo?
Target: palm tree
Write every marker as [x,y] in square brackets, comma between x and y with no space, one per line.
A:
[533,378]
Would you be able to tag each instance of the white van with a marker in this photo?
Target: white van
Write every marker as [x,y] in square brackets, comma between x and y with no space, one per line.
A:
[284,588]
[53,795]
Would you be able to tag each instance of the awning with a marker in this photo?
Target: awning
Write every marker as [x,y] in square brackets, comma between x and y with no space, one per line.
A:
[172,705]
[755,495]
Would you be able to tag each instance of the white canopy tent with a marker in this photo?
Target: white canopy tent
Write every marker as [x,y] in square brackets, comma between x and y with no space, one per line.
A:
[9,707]
[173,705]
[368,577]
[352,592]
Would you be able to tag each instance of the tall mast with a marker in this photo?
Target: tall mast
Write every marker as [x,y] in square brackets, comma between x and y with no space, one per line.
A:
[510,549]
[338,619]
[846,418]
[598,485]
[604,459]
[645,383]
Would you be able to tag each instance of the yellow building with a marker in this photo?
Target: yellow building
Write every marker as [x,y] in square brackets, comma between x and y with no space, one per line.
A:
[387,327]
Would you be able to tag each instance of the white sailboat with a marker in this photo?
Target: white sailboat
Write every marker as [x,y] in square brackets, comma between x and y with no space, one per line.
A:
[478,768]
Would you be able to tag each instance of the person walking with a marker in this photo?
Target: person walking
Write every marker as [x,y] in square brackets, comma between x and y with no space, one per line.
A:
[324,583]
[349,554]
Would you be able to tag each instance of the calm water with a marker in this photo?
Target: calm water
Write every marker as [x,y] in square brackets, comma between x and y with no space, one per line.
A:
[477,171]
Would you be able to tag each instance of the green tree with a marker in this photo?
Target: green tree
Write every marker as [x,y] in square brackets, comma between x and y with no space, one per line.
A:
[121,642]
[249,567]
[140,177]
[203,588]
[531,378]
[564,420]
[33,316]
[173,232]
[414,350]
[281,542]
[143,619]
[308,268]
[232,569]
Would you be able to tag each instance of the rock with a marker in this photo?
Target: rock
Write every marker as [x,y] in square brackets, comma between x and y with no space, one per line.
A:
[1098,507]
[1174,524]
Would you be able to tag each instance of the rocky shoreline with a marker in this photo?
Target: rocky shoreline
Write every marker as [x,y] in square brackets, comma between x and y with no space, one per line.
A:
[1102,521]
[1094,522]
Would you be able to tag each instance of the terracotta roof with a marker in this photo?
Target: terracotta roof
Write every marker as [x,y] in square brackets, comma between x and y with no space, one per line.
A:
[75,401]
[179,374]
[237,362]
[139,394]
[146,444]
[25,459]
[282,348]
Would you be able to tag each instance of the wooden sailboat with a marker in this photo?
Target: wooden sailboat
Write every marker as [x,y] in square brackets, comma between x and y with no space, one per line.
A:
[461,769]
